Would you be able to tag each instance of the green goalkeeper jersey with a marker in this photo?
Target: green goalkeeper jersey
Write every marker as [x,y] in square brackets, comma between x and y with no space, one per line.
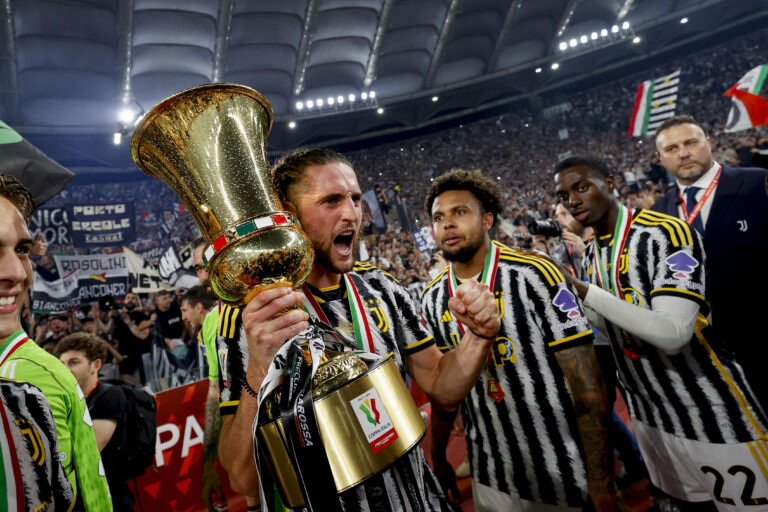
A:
[21,359]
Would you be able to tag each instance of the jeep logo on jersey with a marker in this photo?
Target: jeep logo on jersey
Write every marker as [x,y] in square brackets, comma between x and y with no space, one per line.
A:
[681,263]
[566,302]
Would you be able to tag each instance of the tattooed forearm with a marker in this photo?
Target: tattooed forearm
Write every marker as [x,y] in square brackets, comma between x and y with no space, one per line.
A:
[581,369]
[212,428]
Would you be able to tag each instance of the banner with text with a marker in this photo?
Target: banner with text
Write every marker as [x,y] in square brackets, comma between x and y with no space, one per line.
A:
[57,296]
[145,276]
[98,275]
[425,239]
[53,224]
[95,225]
[174,479]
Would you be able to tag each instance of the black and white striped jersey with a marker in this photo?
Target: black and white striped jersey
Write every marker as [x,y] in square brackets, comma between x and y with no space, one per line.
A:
[528,443]
[33,477]
[396,328]
[699,393]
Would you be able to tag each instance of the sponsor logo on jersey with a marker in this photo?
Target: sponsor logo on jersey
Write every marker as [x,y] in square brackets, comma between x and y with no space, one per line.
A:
[681,263]
[566,302]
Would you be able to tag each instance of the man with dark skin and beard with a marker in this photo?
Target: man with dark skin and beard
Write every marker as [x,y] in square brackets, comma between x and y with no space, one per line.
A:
[320,188]
[699,428]
[536,420]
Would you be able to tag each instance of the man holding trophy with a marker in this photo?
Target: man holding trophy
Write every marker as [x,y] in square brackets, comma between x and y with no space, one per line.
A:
[356,323]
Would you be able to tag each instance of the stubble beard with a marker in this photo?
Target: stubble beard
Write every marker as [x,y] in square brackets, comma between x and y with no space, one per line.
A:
[464,254]
[323,257]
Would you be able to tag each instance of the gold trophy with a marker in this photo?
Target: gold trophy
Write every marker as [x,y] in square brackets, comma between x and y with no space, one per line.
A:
[208,144]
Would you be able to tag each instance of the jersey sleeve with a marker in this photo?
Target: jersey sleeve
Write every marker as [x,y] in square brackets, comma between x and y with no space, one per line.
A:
[209,333]
[91,478]
[560,315]
[415,334]
[679,267]
[232,358]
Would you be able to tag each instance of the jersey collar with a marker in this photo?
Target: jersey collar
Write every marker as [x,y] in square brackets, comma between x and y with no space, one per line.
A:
[13,342]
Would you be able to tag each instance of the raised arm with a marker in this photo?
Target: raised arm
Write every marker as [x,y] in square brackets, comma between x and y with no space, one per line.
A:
[265,333]
[448,378]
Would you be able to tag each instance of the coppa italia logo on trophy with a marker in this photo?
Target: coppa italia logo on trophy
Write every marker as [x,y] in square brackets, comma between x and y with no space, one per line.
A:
[374,420]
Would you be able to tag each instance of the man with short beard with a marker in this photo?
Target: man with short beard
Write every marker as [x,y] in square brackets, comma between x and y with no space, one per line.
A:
[728,206]
[320,188]
[536,420]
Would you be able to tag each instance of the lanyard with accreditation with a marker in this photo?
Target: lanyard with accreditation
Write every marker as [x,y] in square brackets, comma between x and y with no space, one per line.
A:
[689,218]
[487,277]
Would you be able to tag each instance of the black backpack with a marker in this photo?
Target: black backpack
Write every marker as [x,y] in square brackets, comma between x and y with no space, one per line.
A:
[140,431]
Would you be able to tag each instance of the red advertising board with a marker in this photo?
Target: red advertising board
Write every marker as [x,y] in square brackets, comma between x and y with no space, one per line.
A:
[174,481]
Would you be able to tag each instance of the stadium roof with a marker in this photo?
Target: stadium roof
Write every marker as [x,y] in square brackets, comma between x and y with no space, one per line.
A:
[69,67]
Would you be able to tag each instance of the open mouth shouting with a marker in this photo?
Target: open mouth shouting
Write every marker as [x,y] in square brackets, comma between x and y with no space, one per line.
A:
[343,243]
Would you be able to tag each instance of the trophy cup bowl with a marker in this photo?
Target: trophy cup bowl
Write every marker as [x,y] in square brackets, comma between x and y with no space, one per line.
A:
[208,144]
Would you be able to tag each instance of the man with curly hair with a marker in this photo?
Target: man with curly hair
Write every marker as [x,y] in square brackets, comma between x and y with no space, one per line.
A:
[536,418]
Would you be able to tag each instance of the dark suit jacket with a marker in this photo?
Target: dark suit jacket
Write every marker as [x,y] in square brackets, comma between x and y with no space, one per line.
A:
[736,245]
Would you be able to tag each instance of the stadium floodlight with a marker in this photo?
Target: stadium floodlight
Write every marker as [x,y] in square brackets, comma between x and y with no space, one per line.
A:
[331,101]
[339,99]
[636,39]
[625,25]
[310,103]
[126,116]
[292,125]
[614,29]
[299,105]
[573,43]
[380,110]
[555,65]
[434,98]
[117,138]
[319,102]
[683,20]
[583,39]
[563,46]
[538,70]
[372,94]
[593,36]
[351,98]
[364,96]
[604,32]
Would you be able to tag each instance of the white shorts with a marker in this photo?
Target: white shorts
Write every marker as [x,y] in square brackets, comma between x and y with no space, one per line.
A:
[488,499]
[733,476]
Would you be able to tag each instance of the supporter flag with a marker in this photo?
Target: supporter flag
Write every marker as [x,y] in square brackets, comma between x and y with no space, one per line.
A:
[42,176]
[144,274]
[748,108]
[655,101]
